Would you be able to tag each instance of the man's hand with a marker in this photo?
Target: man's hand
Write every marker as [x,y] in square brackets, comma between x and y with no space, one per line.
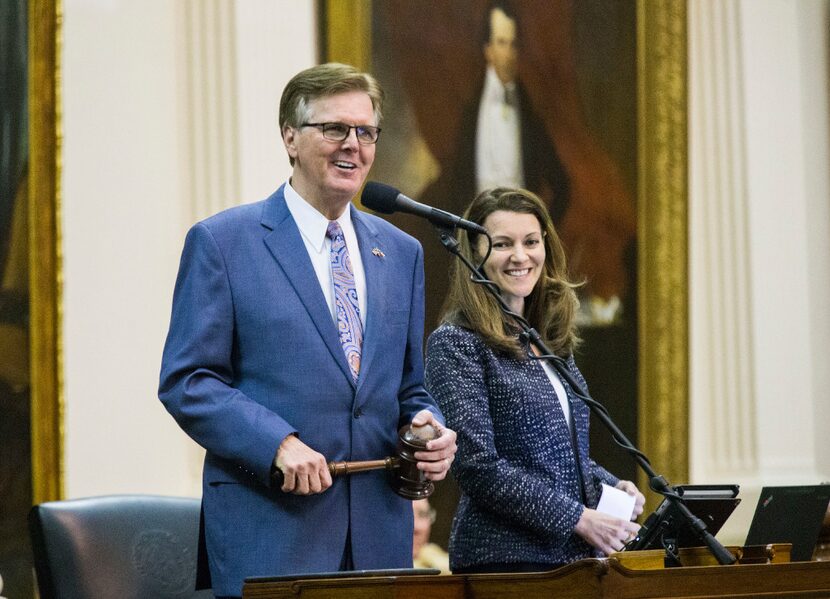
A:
[440,452]
[305,471]
[606,533]
[630,488]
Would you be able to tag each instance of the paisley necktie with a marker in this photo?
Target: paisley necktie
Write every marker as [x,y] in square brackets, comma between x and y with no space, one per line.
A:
[349,325]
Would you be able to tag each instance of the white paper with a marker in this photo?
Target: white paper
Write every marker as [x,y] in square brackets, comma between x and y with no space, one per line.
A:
[617,503]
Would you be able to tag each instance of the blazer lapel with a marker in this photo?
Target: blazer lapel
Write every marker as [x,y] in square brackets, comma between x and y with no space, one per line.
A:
[371,254]
[285,243]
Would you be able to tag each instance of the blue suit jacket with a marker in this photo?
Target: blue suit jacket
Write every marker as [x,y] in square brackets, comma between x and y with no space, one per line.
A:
[253,355]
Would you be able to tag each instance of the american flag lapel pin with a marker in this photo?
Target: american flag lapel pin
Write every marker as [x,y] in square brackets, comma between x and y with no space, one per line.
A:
[378,253]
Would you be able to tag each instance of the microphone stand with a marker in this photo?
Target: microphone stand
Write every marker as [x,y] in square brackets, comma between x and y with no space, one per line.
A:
[529,335]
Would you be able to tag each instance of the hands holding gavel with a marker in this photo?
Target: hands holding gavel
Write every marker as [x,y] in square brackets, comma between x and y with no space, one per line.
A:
[425,451]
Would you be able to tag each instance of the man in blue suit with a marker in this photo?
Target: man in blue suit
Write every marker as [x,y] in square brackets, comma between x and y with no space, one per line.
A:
[296,339]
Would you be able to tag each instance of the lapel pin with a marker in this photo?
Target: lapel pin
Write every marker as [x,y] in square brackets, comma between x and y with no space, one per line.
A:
[378,253]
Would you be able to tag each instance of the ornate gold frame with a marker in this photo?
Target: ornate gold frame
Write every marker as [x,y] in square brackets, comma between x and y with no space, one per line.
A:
[44,250]
[663,405]
[662,214]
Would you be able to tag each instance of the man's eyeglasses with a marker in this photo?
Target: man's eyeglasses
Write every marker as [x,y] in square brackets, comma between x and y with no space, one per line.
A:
[366,134]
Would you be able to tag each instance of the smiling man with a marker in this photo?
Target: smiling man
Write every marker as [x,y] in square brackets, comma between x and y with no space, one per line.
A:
[295,340]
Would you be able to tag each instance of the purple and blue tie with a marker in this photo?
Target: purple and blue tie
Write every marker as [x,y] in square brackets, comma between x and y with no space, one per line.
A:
[349,325]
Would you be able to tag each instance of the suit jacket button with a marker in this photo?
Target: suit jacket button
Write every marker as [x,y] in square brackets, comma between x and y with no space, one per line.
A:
[358,413]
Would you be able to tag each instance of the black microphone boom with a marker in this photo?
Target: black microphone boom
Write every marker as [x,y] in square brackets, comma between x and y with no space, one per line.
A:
[388,200]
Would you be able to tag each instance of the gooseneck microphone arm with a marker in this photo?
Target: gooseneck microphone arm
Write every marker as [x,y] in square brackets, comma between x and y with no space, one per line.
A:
[388,200]
[530,336]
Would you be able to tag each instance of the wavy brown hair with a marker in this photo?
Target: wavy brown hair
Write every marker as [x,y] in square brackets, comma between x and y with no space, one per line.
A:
[550,308]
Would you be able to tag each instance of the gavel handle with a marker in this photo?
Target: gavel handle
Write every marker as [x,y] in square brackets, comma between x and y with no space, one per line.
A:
[340,468]
[343,468]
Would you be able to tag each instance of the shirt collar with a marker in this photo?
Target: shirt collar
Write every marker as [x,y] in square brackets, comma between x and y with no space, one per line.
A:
[494,89]
[311,223]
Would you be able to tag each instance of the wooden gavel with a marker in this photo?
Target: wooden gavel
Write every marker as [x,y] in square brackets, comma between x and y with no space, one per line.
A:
[406,479]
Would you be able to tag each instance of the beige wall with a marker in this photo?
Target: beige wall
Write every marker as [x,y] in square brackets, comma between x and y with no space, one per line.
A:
[129,175]
[760,259]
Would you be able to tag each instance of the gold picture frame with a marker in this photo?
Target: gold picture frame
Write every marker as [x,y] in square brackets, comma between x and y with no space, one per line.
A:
[44,250]
[662,271]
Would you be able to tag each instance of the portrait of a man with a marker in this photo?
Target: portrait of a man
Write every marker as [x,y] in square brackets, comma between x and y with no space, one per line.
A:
[540,95]
[501,141]
[536,94]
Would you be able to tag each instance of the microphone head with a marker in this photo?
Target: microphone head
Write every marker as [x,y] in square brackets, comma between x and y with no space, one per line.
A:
[380,197]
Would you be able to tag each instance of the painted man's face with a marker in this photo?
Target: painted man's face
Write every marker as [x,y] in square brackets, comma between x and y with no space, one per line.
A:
[500,51]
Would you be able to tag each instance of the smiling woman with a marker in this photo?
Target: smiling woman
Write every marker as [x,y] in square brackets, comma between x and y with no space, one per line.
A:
[518,255]
[528,484]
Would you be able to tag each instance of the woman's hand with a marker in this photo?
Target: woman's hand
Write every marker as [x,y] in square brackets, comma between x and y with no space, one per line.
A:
[606,533]
[436,459]
[630,488]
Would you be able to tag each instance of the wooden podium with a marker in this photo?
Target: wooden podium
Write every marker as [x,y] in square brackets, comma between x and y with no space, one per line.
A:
[632,575]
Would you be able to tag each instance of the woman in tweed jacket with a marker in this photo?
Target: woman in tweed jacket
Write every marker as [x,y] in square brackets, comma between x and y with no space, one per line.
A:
[529,486]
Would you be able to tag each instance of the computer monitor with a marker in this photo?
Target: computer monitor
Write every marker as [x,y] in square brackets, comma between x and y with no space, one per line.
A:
[790,515]
[667,528]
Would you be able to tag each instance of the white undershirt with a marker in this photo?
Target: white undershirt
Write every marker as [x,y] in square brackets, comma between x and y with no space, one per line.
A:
[559,388]
[312,225]
[498,142]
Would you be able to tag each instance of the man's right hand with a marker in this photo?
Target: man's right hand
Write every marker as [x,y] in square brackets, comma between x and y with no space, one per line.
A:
[304,470]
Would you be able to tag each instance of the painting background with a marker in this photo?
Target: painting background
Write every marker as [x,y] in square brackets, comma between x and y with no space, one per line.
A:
[15,396]
[578,62]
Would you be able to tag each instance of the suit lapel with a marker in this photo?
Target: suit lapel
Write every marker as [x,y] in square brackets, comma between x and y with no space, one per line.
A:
[374,267]
[285,243]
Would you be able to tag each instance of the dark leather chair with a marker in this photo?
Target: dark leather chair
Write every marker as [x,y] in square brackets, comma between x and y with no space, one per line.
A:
[118,546]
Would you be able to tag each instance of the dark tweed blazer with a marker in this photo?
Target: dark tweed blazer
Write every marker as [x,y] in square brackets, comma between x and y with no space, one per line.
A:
[516,467]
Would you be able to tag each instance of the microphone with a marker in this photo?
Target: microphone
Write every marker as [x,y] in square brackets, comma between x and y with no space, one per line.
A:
[388,200]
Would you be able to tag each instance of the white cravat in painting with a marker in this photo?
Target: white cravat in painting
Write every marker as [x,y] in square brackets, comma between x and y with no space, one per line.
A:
[498,140]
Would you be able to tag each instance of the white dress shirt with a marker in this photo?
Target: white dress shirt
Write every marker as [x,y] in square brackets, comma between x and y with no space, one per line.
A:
[559,388]
[312,225]
[498,139]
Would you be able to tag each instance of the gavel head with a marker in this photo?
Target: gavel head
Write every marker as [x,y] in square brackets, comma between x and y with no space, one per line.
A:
[408,481]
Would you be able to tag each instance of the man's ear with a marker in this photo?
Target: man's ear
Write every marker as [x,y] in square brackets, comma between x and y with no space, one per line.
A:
[289,138]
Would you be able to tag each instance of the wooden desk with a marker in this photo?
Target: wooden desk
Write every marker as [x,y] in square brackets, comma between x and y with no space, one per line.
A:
[592,578]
